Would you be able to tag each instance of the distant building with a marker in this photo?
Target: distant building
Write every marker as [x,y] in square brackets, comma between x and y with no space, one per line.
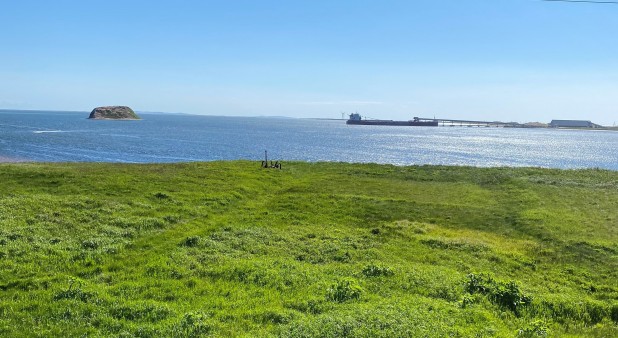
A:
[572,124]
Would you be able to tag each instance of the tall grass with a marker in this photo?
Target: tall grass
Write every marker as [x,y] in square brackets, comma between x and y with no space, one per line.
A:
[314,250]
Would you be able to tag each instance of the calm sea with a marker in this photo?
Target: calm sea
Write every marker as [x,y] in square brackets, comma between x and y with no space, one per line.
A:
[69,136]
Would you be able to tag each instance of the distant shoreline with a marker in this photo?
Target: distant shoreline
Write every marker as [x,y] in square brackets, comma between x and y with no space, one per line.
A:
[4,159]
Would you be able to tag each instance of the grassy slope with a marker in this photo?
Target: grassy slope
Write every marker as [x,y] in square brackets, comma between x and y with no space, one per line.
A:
[227,248]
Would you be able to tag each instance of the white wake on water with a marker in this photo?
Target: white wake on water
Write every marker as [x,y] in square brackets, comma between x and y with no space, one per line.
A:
[49,131]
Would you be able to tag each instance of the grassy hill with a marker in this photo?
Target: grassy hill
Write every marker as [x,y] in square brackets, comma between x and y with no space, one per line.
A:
[330,250]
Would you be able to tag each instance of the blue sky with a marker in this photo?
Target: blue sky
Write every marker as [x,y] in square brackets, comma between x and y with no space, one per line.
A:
[510,60]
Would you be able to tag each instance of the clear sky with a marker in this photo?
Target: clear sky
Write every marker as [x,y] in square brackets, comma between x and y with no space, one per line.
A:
[509,60]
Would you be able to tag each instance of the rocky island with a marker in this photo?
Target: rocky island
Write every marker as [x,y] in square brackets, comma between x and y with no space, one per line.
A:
[113,113]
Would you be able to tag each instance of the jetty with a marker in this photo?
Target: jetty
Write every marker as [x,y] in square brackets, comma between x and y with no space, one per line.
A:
[434,122]
[472,123]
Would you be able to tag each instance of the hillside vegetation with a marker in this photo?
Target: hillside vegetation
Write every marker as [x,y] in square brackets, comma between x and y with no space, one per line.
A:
[313,250]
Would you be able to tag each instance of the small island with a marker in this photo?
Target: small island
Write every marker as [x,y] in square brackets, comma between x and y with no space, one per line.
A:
[113,113]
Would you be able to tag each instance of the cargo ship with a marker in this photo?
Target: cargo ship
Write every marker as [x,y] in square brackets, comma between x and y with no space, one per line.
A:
[357,119]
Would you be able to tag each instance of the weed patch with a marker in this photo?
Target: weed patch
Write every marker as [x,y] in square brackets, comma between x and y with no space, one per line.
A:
[505,294]
[373,270]
[346,289]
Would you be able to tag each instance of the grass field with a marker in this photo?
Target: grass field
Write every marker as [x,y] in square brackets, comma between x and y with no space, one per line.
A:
[313,250]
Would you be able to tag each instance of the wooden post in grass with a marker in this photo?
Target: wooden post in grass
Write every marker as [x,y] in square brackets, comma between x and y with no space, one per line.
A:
[265,163]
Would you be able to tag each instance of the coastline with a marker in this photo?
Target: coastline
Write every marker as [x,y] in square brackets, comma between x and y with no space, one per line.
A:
[112,119]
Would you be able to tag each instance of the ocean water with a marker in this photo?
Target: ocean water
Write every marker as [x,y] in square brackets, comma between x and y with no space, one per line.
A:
[70,136]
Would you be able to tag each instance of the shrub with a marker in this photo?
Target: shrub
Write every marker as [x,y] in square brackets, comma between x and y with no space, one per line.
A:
[466,301]
[504,294]
[161,196]
[478,283]
[90,244]
[344,290]
[192,241]
[373,270]
[74,292]
[509,296]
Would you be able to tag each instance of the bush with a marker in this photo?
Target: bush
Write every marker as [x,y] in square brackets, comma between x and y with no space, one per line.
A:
[161,196]
[192,241]
[509,296]
[90,244]
[504,294]
[377,270]
[74,292]
[478,283]
[344,290]
[467,301]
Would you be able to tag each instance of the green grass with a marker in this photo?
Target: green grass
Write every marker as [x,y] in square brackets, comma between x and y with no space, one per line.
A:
[314,250]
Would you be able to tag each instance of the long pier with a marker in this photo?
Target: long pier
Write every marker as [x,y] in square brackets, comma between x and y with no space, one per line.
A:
[471,123]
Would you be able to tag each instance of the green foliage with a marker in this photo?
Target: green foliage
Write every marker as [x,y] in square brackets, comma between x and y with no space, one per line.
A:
[192,324]
[537,328]
[74,292]
[161,195]
[398,319]
[509,296]
[344,290]
[191,241]
[373,270]
[314,250]
[140,312]
[505,294]
[570,309]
